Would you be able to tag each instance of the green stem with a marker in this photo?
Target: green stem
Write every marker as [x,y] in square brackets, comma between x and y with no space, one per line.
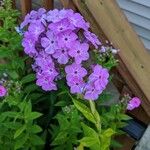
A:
[96,116]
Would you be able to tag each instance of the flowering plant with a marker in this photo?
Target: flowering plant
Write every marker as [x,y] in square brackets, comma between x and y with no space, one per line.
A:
[59,42]
[67,82]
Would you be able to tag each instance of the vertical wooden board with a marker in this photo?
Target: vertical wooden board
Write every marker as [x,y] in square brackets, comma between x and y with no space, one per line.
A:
[48,4]
[133,54]
[68,4]
[130,81]
[126,141]
[14,4]
[26,6]
[140,114]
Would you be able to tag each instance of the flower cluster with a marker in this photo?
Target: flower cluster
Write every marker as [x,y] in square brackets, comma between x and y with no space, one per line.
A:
[3,91]
[61,39]
[135,102]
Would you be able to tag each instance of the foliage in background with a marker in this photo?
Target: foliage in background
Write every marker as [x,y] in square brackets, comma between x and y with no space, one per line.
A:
[18,125]
[10,42]
[18,129]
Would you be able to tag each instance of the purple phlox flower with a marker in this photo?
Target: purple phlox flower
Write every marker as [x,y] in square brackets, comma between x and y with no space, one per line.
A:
[40,12]
[26,21]
[79,52]
[76,85]
[61,55]
[3,91]
[43,19]
[77,20]
[36,28]
[134,103]
[91,92]
[99,77]
[42,15]
[66,39]
[53,16]
[49,42]
[61,26]
[51,71]
[103,49]
[75,70]
[33,15]
[35,67]
[65,13]
[56,15]
[46,82]
[91,37]
[44,61]
[29,45]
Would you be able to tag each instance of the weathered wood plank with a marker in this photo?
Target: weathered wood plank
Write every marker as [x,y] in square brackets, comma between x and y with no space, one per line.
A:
[26,6]
[68,4]
[14,4]
[48,4]
[135,58]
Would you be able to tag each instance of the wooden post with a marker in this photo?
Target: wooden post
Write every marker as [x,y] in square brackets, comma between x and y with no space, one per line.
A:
[26,6]
[13,4]
[48,4]
[68,4]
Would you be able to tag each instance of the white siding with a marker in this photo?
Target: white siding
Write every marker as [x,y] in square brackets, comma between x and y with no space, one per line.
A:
[138,14]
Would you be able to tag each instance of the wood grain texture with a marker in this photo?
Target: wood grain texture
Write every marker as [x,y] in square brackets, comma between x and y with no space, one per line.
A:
[26,6]
[134,57]
[68,4]
[126,141]
[14,4]
[48,4]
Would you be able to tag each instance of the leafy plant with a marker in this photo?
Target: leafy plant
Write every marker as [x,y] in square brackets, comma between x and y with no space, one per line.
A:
[18,128]
[12,60]
[64,136]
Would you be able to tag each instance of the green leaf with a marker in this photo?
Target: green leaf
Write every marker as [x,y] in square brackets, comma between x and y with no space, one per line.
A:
[63,122]
[88,141]
[19,143]
[13,74]
[84,110]
[80,147]
[30,88]
[60,139]
[36,140]
[91,138]
[10,114]
[95,112]
[115,144]
[106,138]
[28,78]
[27,109]
[108,133]
[61,103]
[34,115]
[88,131]
[123,117]
[35,129]
[19,131]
